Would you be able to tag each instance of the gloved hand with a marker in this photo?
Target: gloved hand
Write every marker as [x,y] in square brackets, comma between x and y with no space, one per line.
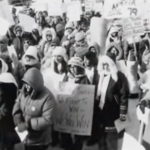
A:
[122,117]
[22,127]
[143,104]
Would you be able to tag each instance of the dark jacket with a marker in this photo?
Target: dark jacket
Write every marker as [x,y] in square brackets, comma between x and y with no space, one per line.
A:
[116,100]
[35,109]
[8,94]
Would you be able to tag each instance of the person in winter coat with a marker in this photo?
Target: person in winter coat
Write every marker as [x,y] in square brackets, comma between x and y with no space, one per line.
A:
[60,29]
[47,37]
[8,95]
[90,63]
[76,74]
[68,31]
[40,23]
[18,41]
[115,35]
[127,66]
[112,94]
[80,47]
[33,110]
[54,74]
[30,59]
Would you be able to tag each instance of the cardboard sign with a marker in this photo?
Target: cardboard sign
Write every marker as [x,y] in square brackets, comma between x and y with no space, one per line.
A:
[55,8]
[74,110]
[123,8]
[74,11]
[26,22]
[129,143]
[6,12]
[133,27]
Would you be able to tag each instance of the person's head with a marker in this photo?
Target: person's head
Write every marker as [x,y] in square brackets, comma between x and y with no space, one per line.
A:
[18,31]
[76,66]
[80,38]
[49,36]
[56,19]
[90,59]
[45,14]
[49,20]
[26,44]
[107,66]
[59,55]
[40,19]
[69,28]
[115,49]
[60,29]
[3,43]
[33,82]
[31,57]
[88,15]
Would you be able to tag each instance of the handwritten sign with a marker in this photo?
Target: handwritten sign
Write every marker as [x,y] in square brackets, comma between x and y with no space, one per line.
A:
[133,27]
[123,8]
[74,110]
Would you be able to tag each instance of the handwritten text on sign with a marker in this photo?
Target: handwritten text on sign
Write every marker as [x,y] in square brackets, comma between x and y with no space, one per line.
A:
[123,8]
[133,27]
[74,111]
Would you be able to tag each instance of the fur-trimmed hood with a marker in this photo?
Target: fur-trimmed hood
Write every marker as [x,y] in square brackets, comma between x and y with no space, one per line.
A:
[51,30]
[118,47]
[113,68]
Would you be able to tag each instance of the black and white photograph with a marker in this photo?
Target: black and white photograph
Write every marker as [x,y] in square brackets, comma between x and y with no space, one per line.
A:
[74,75]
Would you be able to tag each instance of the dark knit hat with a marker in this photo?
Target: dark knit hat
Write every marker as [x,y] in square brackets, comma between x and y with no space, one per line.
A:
[60,27]
[111,56]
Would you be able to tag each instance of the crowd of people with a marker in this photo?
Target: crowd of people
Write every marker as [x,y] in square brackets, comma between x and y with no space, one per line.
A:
[61,51]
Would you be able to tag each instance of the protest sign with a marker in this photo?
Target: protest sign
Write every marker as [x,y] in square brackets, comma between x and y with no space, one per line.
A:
[6,11]
[55,8]
[26,22]
[89,5]
[40,6]
[74,11]
[4,25]
[129,143]
[123,8]
[74,110]
[132,27]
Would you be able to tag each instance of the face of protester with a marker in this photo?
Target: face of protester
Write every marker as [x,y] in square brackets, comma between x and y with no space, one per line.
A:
[58,59]
[114,51]
[81,42]
[28,88]
[106,68]
[45,14]
[39,20]
[69,31]
[56,20]
[19,32]
[49,36]
[26,45]
[74,70]
[3,46]
[87,62]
